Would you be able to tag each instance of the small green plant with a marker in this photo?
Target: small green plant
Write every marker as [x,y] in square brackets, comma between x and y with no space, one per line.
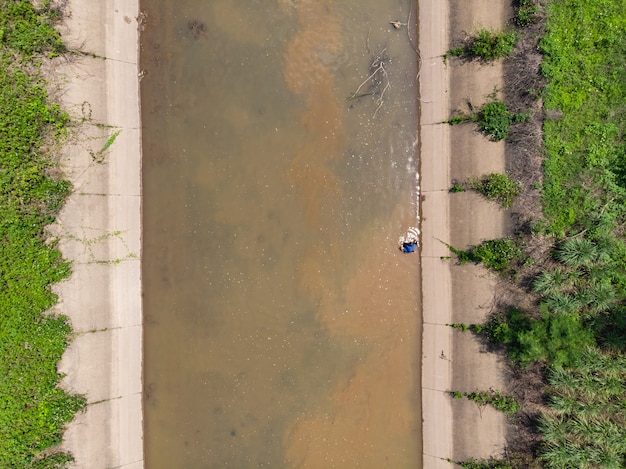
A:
[485,464]
[456,120]
[457,187]
[476,328]
[499,401]
[98,156]
[490,45]
[527,13]
[455,52]
[497,187]
[462,256]
[456,394]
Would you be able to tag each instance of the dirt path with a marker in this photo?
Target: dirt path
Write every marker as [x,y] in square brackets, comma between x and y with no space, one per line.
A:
[451,360]
[100,233]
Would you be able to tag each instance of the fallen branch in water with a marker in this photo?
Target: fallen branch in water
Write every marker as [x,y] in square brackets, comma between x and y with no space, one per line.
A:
[378,82]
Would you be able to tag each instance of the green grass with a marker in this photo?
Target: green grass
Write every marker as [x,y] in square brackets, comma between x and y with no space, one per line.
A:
[28,30]
[585,63]
[33,409]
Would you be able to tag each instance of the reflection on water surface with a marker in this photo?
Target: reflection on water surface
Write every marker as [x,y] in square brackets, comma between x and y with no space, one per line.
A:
[281,322]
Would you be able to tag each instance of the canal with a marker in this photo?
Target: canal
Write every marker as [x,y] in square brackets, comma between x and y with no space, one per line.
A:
[282,324]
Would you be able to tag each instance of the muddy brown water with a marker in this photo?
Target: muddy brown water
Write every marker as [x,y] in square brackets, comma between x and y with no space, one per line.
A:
[282,324]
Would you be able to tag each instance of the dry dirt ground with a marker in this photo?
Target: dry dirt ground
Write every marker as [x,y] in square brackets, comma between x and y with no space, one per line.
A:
[457,429]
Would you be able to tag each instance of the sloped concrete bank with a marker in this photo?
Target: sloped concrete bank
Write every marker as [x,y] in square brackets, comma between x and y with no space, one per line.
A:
[100,232]
[456,430]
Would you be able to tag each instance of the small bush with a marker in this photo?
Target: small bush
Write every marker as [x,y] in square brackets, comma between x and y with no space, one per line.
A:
[506,404]
[497,187]
[502,328]
[491,45]
[494,120]
[527,13]
[558,339]
[497,254]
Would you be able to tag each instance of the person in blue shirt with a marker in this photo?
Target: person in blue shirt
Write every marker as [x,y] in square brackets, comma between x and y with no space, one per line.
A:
[409,247]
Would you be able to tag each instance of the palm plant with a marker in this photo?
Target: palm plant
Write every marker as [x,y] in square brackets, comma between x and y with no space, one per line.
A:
[561,303]
[577,252]
[585,426]
[598,298]
[552,281]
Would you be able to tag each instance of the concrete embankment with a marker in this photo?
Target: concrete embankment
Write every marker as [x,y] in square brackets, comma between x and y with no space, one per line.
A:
[456,430]
[100,232]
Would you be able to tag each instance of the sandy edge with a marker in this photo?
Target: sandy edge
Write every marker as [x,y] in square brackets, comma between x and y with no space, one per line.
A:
[100,232]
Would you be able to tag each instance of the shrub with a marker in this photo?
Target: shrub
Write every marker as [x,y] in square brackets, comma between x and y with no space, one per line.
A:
[497,254]
[456,120]
[497,187]
[527,13]
[558,339]
[494,120]
[455,52]
[506,404]
[502,328]
[491,45]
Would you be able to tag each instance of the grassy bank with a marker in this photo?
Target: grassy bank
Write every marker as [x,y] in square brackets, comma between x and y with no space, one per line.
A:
[33,410]
[585,62]
[583,197]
